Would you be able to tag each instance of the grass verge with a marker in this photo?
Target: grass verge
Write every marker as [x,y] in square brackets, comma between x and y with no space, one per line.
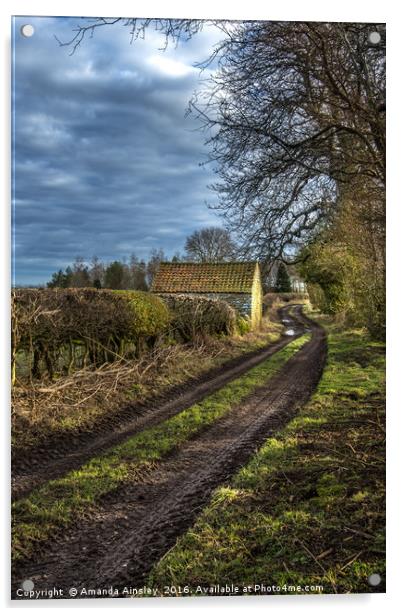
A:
[309,508]
[53,506]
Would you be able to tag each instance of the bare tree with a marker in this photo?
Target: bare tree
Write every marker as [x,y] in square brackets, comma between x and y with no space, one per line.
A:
[155,259]
[296,113]
[97,272]
[173,29]
[211,244]
[138,271]
[80,274]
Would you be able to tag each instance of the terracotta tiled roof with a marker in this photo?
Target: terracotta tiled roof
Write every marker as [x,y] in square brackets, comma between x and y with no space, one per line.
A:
[204,278]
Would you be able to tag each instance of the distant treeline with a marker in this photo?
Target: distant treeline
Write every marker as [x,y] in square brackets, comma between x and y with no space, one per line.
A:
[211,244]
[131,273]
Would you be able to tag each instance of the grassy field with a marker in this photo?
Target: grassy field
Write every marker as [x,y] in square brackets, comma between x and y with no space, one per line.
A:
[57,503]
[309,508]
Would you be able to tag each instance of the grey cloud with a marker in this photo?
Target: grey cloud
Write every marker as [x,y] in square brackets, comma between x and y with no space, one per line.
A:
[105,161]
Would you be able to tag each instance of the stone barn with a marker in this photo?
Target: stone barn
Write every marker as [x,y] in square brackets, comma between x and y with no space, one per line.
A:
[238,284]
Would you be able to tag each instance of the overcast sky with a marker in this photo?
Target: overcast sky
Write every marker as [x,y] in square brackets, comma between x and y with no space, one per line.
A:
[105,161]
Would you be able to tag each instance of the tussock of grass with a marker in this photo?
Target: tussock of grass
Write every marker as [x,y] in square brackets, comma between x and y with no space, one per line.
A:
[309,507]
[51,507]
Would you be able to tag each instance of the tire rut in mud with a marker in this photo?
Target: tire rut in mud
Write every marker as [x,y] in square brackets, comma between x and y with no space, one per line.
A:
[43,464]
[139,522]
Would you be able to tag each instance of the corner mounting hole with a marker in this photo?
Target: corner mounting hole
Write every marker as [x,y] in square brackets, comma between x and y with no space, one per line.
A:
[374,579]
[27,30]
[28,585]
[374,38]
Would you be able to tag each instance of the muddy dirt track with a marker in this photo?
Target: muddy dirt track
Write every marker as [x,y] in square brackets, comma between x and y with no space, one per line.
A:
[62,455]
[138,523]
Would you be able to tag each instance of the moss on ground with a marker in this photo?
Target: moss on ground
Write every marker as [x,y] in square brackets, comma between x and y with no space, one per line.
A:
[309,508]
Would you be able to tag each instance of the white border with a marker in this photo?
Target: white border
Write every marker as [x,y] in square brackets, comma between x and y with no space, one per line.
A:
[339,10]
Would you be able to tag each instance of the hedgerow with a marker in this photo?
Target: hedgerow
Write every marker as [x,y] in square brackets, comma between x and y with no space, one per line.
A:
[194,316]
[58,329]
[149,316]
